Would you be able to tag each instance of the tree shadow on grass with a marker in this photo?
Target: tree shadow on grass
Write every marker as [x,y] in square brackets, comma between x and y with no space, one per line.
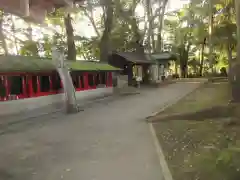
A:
[213,113]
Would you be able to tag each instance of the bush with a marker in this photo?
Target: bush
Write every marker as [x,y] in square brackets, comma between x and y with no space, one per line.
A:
[175,76]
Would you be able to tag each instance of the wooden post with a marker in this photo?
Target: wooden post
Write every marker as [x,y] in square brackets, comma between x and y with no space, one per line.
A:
[38,85]
[7,86]
[24,86]
[30,85]
[86,81]
[51,83]
[110,79]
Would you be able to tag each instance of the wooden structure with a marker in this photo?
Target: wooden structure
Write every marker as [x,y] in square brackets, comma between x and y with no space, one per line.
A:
[161,66]
[132,63]
[25,77]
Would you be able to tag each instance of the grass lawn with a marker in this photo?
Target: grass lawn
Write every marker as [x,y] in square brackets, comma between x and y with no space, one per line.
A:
[197,140]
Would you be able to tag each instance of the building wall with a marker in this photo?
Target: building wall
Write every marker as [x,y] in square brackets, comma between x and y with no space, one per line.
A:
[26,105]
[157,71]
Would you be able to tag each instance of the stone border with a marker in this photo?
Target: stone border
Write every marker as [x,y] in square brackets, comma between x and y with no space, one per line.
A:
[167,175]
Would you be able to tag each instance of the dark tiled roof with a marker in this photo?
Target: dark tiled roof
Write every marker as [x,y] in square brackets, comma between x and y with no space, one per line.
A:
[164,56]
[134,57]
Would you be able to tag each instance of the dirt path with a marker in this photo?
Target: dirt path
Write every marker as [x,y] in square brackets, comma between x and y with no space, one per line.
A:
[108,141]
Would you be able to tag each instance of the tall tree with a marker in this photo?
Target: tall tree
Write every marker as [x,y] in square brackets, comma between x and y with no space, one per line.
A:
[108,23]
[210,30]
[236,65]
[2,38]
[162,4]
[71,52]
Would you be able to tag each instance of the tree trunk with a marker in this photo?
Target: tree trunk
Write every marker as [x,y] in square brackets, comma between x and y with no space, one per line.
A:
[69,90]
[14,33]
[151,43]
[30,32]
[149,26]
[71,53]
[2,38]
[210,29]
[105,40]
[201,61]
[90,16]
[235,66]
[184,60]
[161,18]
[137,37]
[229,54]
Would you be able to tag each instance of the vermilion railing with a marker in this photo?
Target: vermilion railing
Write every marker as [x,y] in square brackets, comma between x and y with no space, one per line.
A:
[27,90]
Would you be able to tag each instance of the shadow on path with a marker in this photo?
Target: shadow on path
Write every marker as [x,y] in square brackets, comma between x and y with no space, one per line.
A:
[212,113]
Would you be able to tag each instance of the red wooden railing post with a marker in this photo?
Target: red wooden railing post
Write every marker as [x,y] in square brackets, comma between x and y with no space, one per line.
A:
[86,85]
[24,86]
[30,86]
[38,85]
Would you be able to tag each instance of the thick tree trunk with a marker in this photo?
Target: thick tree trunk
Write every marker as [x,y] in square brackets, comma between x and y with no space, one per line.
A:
[150,30]
[69,90]
[71,54]
[2,38]
[14,32]
[137,37]
[210,29]
[202,60]
[230,61]
[105,40]
[235,66]
[161,18]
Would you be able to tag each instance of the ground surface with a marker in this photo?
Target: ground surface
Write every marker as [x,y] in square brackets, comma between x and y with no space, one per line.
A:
[108,141]
[197,138]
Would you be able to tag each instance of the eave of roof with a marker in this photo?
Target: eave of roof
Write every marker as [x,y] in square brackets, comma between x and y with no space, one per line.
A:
[163,56]
[134,57]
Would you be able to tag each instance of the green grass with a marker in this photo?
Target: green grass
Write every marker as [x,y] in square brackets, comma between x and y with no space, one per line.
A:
[91,66]
[194,137]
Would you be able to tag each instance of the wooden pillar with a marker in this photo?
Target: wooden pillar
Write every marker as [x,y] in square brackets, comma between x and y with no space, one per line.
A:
[94,80]
[51,82]
[7,86]
[79,80]
[110,79]
[106,77]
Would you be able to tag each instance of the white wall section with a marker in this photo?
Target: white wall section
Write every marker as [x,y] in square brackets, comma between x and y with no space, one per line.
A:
[25,105]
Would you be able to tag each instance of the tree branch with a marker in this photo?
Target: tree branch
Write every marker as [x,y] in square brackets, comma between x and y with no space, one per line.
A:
[91,19]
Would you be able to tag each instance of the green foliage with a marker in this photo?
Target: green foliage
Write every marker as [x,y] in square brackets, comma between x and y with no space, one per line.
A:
[30,48]
[89,48]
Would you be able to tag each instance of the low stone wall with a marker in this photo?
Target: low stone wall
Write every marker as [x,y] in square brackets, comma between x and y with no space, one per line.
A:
[122,83]
[53,102]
